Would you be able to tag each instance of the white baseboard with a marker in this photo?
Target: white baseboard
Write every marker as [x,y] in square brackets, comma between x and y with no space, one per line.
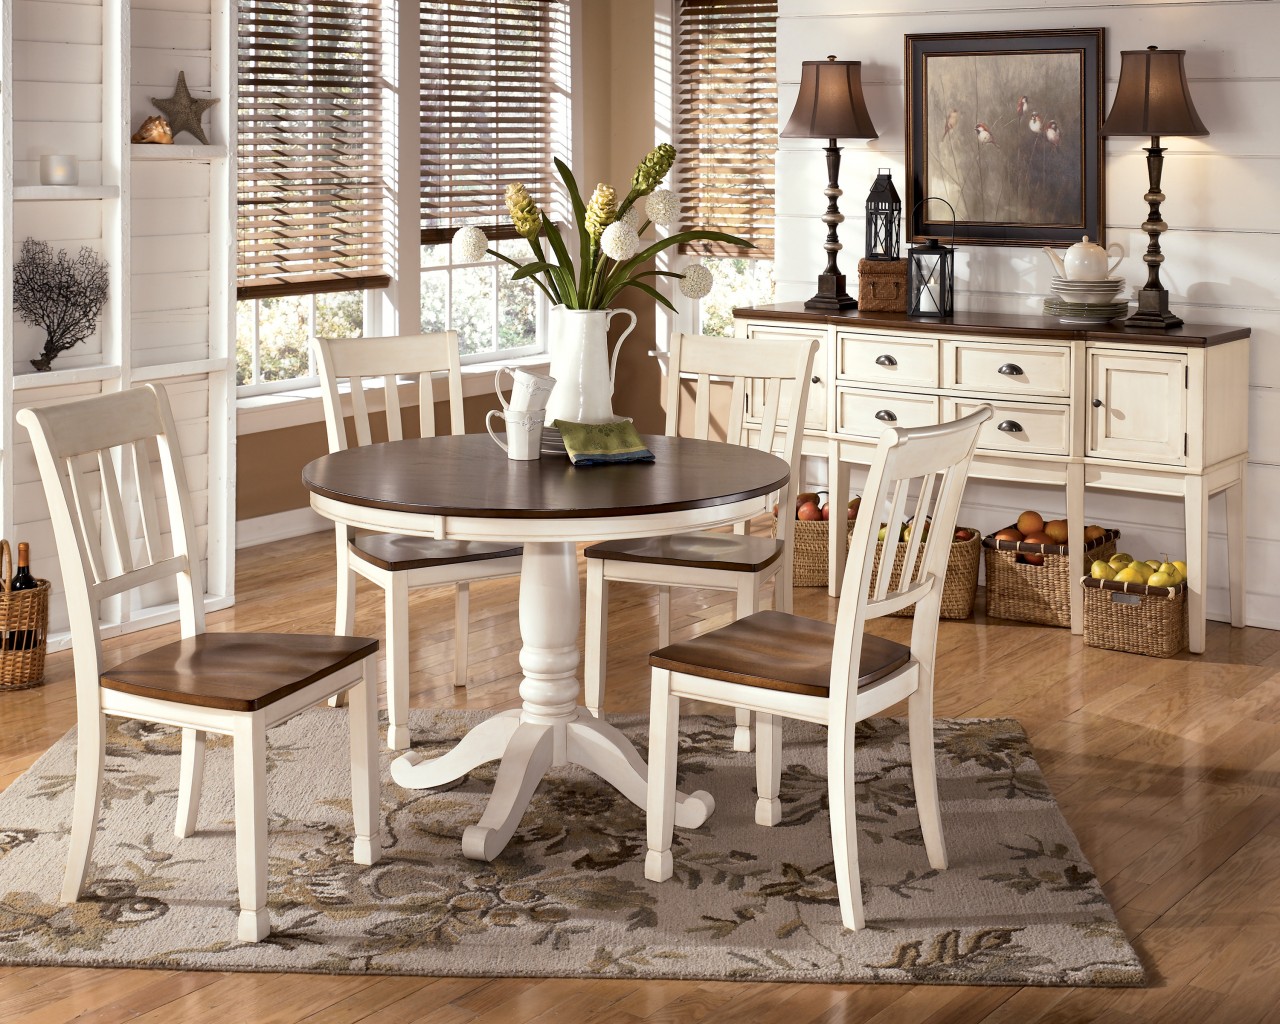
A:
[281,526]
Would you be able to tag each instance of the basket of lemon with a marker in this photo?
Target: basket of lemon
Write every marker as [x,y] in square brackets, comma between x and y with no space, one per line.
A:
[1136,607]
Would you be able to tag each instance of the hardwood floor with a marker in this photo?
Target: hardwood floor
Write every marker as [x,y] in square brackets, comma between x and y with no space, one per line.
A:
[1169,772]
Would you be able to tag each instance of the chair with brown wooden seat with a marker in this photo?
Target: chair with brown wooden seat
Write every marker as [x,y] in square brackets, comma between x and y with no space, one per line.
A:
[779,664]
[768,385]
[396,563]
[112,447]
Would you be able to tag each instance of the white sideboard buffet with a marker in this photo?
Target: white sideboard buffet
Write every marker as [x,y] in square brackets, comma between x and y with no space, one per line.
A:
[1076,407]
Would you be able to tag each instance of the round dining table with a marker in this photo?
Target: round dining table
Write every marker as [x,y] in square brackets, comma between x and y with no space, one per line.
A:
[462,487]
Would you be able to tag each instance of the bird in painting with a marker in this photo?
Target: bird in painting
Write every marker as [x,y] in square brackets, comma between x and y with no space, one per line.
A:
[1052,134]
[953,118]
[1023,103]
[984,135]
[1034,124]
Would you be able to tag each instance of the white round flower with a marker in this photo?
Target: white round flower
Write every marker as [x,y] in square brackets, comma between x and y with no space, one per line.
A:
[619,241]
[633,217]
[661,206]
[696,282]
[469,244]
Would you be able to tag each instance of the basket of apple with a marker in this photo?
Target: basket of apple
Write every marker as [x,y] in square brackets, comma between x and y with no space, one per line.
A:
[810,530]
[1030,571]
[1136,607]
[959,587]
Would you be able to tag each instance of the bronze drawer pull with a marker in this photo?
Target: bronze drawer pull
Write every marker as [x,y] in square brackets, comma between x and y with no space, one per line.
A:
[815,379]
[886,416]
[1010,426]
[886,360]
[1097,403]
[1010,370]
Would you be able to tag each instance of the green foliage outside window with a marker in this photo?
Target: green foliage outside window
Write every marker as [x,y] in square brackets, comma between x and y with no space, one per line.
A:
[284,331]
[737,282]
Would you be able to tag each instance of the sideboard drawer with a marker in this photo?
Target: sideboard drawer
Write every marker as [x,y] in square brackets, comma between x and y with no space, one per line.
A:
[1008,369]
[869,412]
[1030,427]
[881,359]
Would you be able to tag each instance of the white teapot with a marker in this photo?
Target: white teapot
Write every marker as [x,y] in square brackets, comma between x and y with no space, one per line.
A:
[1085,261]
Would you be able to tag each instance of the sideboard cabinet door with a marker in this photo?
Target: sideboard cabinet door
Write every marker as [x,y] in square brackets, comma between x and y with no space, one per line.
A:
[1137,408]
[815,418]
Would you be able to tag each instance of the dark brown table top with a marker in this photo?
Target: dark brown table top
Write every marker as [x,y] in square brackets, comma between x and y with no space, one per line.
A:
[469,475]
[1011,324]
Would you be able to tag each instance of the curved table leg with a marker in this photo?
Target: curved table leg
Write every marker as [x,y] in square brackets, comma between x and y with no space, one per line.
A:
[550,729]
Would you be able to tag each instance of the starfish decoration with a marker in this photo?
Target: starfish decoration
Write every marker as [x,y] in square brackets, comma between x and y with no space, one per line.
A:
[183,110]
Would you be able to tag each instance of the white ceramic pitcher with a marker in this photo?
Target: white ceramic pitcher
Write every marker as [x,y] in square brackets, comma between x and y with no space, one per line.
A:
[578,340]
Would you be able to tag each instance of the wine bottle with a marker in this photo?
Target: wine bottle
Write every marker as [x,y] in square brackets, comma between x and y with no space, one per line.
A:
[23,639]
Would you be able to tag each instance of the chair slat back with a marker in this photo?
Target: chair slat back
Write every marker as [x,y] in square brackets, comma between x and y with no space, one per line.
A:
[98,458]
[354,361]
[918,473]
[769,388]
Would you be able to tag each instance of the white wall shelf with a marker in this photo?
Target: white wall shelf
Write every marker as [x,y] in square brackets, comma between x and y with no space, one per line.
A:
[63,193]
[150,151]
[32,380]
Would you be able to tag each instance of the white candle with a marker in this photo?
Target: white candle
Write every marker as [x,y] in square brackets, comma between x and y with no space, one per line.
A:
[927,303]
[59,169]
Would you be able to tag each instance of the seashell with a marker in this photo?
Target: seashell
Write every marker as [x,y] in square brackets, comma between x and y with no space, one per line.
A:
[154,130]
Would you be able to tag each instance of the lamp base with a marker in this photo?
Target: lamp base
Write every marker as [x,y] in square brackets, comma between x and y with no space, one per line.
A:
[1153,312]
[832,296]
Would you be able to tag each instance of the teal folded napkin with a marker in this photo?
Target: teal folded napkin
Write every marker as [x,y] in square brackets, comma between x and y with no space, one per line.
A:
[598,444]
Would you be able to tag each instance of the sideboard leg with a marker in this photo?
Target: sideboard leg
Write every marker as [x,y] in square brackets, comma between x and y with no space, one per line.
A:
[1236,546]
[1197,513]
[1075,541]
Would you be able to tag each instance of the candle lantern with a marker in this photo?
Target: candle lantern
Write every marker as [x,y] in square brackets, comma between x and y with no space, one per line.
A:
[884,217]
[931,272]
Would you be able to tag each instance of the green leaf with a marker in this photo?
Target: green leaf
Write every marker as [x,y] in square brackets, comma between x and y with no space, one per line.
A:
[564,272]
[521,266]
[677,239]
[529,269]
[617,286]
[580,219]
[651,291]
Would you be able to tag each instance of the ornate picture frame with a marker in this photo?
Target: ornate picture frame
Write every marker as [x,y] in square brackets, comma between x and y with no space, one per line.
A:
[1006,127]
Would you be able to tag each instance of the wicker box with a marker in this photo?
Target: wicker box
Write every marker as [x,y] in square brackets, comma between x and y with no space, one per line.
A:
[810,561]
[882,286]
[1135,618]
[1038,593]
[24,622]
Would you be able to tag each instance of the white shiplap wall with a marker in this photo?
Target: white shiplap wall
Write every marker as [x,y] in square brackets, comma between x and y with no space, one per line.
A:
[1221,265]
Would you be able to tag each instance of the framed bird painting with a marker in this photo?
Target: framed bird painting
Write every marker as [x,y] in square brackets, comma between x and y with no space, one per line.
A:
[1005,127]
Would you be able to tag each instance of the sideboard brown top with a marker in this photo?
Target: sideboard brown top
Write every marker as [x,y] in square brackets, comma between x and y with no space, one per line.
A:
[1012,324]
[468,475]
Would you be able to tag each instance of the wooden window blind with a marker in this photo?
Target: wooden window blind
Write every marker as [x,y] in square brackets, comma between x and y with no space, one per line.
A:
[492,79]
[309,147]
[728,123]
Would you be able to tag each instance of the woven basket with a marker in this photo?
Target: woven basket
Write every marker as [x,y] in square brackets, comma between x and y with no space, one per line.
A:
[1038,593]
[1135,618]
[24,620]
[809,564]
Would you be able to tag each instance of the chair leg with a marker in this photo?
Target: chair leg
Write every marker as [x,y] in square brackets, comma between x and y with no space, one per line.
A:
[596,659]
[748,603]
[90,764]
[461,633]
[664,616]
[363,715]
[396,596]
[768,769]
[660,805]
[782,588]
[844,825]
[924,776]
[190,782]
[345,615]
[249,743]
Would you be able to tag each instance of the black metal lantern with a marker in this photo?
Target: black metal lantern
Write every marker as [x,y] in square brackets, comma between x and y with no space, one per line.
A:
[931,272]
[884,218]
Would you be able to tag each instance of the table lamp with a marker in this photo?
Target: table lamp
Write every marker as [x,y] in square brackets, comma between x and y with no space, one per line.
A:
[1152,99]
[830,106]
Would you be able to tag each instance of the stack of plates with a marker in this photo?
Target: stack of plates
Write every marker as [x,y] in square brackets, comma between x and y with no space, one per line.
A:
[1085,312]
[1096,293]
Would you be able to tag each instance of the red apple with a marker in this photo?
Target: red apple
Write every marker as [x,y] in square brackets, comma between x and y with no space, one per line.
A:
[826,511]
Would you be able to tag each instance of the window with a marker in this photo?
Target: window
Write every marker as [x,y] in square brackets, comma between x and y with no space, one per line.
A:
[728,135]
[494,110]
[310,189]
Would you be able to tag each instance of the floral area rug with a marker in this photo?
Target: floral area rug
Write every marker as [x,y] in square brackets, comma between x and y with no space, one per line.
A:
[1019,904]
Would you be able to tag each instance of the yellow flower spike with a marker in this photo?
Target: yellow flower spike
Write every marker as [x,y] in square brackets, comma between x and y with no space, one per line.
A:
[602,210]
[525,214]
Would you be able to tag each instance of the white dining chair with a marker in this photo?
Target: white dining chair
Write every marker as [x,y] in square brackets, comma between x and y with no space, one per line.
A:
[767,382]
[391,561]
[776,664]
[99,460]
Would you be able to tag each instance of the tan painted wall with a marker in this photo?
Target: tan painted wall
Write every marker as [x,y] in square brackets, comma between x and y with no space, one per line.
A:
[616,99]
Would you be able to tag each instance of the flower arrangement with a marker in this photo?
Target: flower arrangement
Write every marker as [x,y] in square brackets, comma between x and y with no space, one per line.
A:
[610,253]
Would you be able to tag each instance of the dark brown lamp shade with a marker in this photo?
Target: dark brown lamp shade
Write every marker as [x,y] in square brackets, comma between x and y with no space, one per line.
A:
[830,104]
[1152,97]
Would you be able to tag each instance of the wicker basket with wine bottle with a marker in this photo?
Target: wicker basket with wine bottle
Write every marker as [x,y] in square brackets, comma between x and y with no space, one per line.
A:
[24,622]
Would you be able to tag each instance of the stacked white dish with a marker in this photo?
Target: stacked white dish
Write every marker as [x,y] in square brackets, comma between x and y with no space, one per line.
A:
[1086,301]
